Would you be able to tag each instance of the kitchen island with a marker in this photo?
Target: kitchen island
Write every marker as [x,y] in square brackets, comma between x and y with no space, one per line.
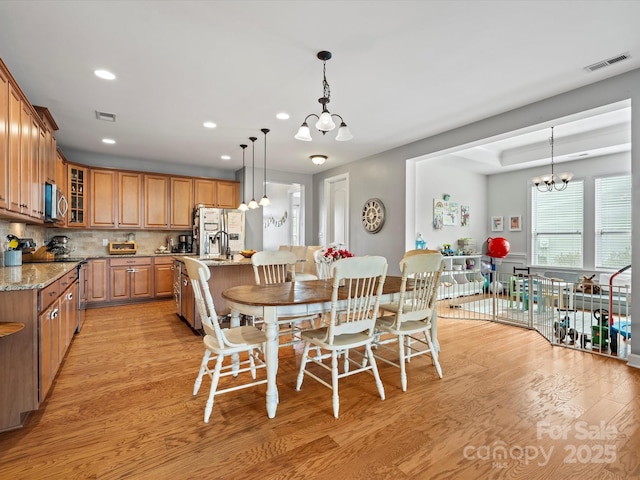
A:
[225,273]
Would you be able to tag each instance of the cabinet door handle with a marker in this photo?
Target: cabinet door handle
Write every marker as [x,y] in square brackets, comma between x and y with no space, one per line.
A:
[185,282]
[54,313]
[69,296]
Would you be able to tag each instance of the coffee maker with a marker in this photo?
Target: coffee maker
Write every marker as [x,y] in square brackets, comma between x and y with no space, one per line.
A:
[184,244]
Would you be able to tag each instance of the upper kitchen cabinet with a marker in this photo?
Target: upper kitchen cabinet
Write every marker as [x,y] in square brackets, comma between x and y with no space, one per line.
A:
[216,193]
[228,194]
[181,203]
[156,201]
[77,189]
[47,148]
[4,139]
[26,156]
[102,194]
[204,192]
[130,200]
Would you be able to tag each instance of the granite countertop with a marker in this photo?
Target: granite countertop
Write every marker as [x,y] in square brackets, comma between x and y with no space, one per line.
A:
[31,276]
[216,261]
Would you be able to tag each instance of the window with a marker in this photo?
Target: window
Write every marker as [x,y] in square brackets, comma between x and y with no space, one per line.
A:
[557,226]
[613,222]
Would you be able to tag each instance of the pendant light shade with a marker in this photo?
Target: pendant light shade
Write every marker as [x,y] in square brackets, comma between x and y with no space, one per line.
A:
[243,206]
[264,201]
[253,204]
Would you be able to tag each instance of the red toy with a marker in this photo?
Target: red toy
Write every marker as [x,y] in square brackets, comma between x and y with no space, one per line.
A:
[498,247]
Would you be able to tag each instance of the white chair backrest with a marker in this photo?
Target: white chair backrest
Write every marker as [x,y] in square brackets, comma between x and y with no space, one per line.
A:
[363,279]
[419,300]
[323,267]
[199,275]
[273,266]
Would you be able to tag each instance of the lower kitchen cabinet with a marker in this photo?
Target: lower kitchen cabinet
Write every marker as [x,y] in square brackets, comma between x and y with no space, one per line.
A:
[163,277]
[97,281]
[130,278]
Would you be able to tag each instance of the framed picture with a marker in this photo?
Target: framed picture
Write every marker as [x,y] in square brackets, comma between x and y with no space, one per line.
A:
[497,224]
[515,223]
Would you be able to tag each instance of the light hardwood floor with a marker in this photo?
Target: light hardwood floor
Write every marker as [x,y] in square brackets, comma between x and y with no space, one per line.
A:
[122,408]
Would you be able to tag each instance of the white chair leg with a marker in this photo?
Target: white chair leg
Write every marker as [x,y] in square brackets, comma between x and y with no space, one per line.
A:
[434,354]
[402,360]
[376,375]
[334,382]
[303,365]
[214,385]
[252,364]
[203,368]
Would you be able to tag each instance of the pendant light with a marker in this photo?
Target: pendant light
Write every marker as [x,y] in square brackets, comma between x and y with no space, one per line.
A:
[264,201]
[243,206]
[325,121]
[548,183]
[253,204]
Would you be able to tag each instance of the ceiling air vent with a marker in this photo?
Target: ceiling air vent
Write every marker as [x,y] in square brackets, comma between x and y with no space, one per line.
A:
[607,62]
[106,117]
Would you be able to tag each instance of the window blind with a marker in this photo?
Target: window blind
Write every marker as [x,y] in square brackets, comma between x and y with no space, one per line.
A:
[613,222]
[557,226]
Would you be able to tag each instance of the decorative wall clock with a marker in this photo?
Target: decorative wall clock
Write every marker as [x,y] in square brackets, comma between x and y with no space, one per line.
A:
[373,215]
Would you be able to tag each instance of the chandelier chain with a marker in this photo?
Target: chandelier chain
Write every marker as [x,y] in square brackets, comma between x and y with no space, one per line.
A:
[326,90]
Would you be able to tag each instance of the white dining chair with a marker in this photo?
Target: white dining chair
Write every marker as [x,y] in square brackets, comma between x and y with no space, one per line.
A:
[279,266]
[222,343]
[411,315]
[351,325]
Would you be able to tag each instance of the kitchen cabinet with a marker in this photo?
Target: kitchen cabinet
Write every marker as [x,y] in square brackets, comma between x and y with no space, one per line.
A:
[47,148]
[188,303]
[4,139]
[181,196]
[26,154]
[15,107]
[77,190]
[37,165]
[130,278]
[163,277]
[156,201]
[102,194]
[58,311]
[204,192]
[60,178]
[216,193]
[129,200]
[97,280]
[228,194]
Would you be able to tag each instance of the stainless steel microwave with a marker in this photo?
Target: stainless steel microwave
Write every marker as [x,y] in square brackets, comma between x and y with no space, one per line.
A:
[55,203]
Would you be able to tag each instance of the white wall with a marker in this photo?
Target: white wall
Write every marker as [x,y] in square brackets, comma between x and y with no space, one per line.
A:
[278,233]
[432,181]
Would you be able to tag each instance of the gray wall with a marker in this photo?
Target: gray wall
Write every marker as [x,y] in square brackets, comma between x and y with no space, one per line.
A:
[384,175]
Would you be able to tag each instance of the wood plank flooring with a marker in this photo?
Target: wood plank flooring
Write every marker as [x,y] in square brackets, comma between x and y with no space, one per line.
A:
[122,407]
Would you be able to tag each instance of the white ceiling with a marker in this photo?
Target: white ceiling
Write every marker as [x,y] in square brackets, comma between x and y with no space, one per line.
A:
[401,71]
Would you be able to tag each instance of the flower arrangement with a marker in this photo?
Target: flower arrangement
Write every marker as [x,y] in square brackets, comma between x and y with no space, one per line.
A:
[335,252]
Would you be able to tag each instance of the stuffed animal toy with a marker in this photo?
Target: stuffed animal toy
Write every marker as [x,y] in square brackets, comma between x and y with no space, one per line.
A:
[588,285]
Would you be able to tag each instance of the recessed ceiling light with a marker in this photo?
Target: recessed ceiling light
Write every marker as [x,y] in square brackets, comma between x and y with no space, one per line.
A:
[104,74]
[282,116]
[209,125]
[225,157]
[108,141]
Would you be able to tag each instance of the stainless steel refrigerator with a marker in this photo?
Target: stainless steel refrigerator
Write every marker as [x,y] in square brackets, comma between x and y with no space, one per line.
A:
[218,231]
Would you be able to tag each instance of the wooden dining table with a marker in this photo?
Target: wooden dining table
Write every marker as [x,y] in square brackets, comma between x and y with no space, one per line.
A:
[293,299]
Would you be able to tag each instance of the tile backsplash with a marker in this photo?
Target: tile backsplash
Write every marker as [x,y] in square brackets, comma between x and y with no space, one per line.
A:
[84,242]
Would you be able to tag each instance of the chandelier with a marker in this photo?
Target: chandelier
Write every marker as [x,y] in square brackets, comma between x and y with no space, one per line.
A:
[325,121]
[548,183]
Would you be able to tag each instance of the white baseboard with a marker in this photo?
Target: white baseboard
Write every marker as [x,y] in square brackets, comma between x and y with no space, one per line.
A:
[634,360]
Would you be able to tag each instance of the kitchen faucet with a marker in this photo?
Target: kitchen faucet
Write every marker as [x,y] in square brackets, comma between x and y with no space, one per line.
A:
[224,242]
